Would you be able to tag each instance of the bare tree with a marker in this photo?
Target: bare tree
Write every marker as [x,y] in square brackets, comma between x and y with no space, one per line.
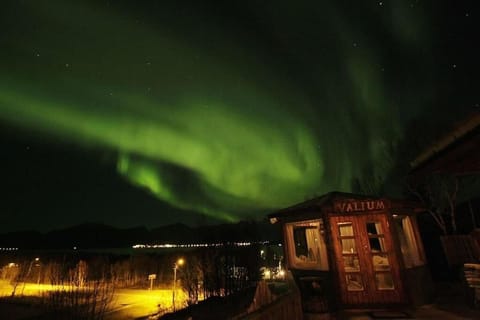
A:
[9,272]
[438,194]
[78,275]
[76,297]
[192,278]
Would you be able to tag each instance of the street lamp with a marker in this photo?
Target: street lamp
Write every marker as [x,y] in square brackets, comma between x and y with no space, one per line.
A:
[177,264]
[28,274]
[38,264]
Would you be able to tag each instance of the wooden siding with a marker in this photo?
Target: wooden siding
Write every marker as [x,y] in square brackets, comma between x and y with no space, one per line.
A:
[419,285]
[316,289]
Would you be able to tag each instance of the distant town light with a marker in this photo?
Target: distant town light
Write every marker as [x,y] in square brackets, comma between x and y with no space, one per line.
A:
[196,245]
[267,274]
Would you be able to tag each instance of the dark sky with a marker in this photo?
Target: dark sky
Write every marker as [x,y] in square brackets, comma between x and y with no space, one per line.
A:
[153,112]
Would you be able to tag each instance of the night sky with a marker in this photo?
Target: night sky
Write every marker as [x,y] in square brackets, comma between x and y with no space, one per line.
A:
[153,112]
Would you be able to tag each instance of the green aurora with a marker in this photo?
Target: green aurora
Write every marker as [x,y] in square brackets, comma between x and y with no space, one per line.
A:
[208,112]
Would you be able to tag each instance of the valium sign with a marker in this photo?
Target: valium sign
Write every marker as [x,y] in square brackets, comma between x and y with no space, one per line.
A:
[358,205]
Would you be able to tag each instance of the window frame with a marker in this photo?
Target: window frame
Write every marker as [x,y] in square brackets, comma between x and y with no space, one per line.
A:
[293,261]
[416,253]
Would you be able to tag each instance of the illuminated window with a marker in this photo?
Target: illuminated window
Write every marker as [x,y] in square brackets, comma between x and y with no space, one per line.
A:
[306,245]
[408,242]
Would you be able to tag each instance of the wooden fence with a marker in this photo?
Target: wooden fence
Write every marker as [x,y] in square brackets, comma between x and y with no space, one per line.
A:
[460,249]
[267,305]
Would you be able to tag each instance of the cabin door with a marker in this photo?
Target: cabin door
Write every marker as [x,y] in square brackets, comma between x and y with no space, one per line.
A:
[367,262]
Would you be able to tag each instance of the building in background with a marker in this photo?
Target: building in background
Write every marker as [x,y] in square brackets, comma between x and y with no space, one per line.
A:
[448,173]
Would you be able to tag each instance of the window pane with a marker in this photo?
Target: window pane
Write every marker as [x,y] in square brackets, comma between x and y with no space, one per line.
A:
[351,263]
[380,262]
[345,229]
[374,228]
[307,246]
[377,244]
[408,243]
[354,282]
[348,245]
[384,281]
[300,240]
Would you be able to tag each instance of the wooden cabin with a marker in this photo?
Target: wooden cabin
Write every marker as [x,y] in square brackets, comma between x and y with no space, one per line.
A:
[352,251]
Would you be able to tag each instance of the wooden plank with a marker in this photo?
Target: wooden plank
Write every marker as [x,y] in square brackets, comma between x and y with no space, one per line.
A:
[474,266]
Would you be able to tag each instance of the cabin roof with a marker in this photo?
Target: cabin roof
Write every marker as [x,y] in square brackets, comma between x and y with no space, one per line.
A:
[306,208]
[318,203]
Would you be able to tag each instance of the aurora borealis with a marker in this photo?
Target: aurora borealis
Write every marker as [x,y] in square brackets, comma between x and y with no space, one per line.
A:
[226,109]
